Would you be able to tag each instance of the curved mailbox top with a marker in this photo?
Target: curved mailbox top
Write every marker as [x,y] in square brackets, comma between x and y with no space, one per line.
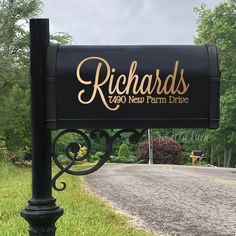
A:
[132,86]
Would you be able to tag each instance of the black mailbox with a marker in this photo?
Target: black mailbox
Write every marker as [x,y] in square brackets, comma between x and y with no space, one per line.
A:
[198,153]
[132,86]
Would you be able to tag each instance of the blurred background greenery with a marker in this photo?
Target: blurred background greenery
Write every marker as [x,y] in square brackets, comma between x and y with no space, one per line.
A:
[216,26]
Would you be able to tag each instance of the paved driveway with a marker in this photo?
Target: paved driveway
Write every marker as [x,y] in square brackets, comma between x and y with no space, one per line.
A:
[172,200]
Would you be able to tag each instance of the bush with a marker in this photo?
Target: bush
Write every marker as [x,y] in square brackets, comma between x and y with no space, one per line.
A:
[126,160]
[166,150]
[96,157]
[123,150]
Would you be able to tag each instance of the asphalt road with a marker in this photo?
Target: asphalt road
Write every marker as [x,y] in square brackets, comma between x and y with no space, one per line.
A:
[172,200]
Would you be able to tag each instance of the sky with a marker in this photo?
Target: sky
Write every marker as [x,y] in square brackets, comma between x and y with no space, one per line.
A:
[111,22]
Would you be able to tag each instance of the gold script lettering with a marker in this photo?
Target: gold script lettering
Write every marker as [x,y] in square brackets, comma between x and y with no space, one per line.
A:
[97,85]
[128,84]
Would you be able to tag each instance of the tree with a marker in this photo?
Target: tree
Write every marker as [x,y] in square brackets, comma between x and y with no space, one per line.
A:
[14,83]
[218,26]
[227,131]
[14,72]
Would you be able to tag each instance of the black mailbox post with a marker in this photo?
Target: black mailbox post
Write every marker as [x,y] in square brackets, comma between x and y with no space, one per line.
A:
[98,87]
[42,211]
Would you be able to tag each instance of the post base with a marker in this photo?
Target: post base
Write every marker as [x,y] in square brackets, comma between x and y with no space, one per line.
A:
[42,215]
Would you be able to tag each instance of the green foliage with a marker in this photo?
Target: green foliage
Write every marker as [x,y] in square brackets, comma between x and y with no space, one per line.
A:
[14,16]
[218,26]
[123,150]
[121,159]
[228,111]
[3,152]
[16,119]
[62,38]
[124,155]
[14,85]
[14,73]
[96,157]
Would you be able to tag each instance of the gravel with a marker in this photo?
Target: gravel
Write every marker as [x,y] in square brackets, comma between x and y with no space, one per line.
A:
[172,200]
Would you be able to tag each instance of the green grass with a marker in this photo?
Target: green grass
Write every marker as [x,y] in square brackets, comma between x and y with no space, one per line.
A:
[85,214]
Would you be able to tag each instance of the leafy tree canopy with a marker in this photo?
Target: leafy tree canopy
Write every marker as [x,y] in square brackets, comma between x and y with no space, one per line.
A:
[14,71]
[218,26]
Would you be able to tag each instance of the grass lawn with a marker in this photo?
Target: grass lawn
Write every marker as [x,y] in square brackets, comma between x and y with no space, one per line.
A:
[84,215]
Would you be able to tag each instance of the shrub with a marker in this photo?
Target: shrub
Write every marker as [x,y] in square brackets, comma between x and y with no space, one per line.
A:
[96,157]
[123,150]
[127,160]
[166,150]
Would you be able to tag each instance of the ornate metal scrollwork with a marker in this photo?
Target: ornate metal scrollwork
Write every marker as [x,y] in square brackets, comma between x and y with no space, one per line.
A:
[73,153]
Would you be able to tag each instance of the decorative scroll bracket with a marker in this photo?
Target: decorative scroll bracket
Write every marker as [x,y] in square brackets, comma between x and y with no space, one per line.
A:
[72,150]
